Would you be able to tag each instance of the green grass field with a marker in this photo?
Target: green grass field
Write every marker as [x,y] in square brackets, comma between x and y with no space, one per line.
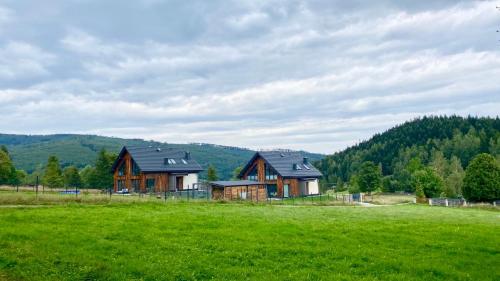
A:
[200,241]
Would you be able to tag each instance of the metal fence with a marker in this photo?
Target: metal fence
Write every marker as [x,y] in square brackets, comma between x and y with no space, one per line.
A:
[447,202]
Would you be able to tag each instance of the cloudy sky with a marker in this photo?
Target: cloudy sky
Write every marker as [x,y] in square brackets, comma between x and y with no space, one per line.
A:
[317,75]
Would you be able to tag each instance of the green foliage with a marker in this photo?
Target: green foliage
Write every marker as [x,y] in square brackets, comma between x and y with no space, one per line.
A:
[103,177]
[88,177]
[407,148]
[354,185]
[369,177]
[7,170]
[212,173]
[340,186]
[428,182]
[482,179]
[53,174]
[389,184]
[236,173]
[72,177]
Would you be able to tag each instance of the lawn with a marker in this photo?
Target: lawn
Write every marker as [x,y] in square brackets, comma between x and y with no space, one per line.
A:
[199,241]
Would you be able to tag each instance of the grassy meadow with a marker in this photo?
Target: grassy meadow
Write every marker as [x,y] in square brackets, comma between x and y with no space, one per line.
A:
[200,241]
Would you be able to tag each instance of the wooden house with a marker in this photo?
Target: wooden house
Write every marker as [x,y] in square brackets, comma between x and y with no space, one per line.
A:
[154,169]
[285,174]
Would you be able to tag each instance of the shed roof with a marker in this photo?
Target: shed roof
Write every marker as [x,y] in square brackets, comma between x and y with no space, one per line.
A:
[283,163]
[152,159]
[235,183]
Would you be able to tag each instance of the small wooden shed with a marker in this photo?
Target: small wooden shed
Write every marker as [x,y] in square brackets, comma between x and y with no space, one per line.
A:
[239,190]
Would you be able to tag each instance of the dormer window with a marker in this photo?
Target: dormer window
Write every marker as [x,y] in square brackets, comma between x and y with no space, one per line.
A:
[169,161]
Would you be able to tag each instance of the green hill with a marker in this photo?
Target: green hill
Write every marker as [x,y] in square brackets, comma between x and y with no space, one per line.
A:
[422,138]
[28,151]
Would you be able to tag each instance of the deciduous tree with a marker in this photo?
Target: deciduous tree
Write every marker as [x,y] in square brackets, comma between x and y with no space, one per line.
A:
[482,179]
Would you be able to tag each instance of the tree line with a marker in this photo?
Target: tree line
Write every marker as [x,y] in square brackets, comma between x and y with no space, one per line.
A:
[53,176]
[428,156]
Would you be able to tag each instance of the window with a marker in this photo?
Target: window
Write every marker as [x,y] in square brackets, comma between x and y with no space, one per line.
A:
[136,185]
[297,167]
[286,191]
[307,167]
[121,169]
[135,169]
[270,173]
[184,161]
[272,191]
[150,184]
[120,185]
[252,175]
[169,161]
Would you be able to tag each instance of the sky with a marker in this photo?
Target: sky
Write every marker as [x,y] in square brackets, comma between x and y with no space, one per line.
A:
[317,75]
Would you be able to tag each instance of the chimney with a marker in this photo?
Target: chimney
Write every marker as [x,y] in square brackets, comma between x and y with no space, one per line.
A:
[306,160]
[187,155]
[165,161]
[295,167]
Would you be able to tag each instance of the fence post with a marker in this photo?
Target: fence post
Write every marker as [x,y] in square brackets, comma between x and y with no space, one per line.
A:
[36,187]
[430,201]
[446,202]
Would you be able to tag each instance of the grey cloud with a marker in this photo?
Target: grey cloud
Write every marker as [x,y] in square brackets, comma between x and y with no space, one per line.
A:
[316,75]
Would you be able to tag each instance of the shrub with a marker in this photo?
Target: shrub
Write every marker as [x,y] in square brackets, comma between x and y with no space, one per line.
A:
[482,179]
[428,182]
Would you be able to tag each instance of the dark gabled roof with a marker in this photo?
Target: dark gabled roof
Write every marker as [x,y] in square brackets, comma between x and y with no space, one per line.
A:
[235,183]
[283,164]
[152,159]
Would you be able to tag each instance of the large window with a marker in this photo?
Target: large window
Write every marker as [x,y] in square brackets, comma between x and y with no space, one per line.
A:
[122,168]
[252,176]
[135,169]
[270,173]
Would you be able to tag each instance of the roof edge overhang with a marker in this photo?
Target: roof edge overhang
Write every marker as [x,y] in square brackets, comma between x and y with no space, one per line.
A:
[120,156]
[252,160]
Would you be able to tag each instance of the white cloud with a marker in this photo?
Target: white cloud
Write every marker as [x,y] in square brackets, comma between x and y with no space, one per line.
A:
[20,60]
[260,74]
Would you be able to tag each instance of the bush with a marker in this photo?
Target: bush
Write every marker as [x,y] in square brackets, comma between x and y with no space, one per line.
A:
[428,182]
[482,179]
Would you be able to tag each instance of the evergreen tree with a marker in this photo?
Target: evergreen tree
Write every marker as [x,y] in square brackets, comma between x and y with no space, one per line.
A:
[236,173]
[103,177]
[72,177]
[369,177]
[212,173]
[53,175]
[482,179]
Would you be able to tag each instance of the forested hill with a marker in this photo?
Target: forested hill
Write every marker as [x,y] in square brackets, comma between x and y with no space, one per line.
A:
[421,138]
[30,152]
